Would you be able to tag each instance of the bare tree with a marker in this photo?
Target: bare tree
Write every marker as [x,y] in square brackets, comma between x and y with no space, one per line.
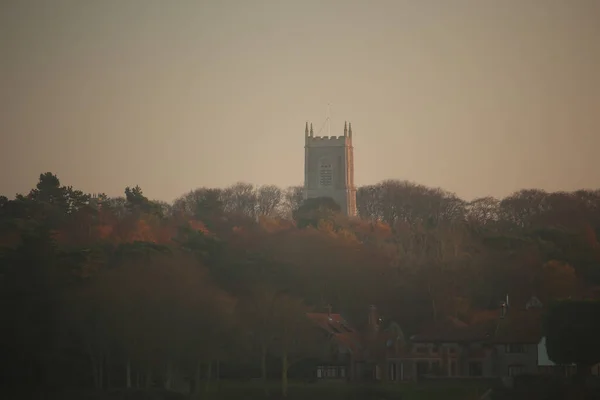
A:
[395,201]
[268,198]
[240,198]
[200,203]
[483,211]
[293,199]
[368,202]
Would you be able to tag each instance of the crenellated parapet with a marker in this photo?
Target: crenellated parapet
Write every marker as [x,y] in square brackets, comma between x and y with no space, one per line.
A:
[345,140]
[327,137]
[329,168]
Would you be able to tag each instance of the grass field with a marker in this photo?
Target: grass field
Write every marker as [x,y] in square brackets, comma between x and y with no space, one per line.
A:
[448,390]
[442,390]
[235,390]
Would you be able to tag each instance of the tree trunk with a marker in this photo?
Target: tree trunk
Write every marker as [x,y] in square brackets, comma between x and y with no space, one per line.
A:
[107,370]
[100,373]
[218,373]
[128,373]
[284,374]
[263,368]
[195,388]
[95,372]
[433,306]
[208,376]
[148,380]
[168,375]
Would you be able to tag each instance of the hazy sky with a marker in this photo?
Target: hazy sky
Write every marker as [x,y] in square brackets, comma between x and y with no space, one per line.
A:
[480,97]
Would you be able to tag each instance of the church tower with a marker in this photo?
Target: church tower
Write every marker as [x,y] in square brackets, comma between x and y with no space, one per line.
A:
[329,168]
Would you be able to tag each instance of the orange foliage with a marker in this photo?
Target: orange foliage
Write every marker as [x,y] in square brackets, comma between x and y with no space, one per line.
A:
[105,231]
[273,225]
[199,226]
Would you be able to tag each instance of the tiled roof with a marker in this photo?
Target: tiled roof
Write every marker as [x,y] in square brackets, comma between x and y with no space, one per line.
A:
[340,331]
[332,323]
[452,330]
[519,326]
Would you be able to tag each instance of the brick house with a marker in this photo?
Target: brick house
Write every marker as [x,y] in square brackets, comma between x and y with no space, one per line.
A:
[356,355]
[345,355]
[447,348]
[504,346]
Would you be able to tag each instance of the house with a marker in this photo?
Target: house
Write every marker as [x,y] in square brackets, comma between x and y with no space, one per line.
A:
[345,355]
[515,342]
[356,355]
[447,348]
[504,346]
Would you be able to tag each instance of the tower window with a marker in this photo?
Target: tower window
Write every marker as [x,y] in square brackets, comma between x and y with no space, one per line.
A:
[325,173]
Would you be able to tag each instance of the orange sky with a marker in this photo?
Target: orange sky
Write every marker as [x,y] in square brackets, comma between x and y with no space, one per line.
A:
[481,97]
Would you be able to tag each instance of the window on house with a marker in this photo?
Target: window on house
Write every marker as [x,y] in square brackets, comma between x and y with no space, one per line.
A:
[475,368]
[435,349]
[392,371]
[422,368]
[320,372]
[514,370]
[436,368]
[342,372]
[332,372]
[514,348]
[453,368]
[328,372]
[421,350]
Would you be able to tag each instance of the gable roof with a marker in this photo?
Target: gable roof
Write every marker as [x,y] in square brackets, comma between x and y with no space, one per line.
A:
[519,326]
[332,323]
[453,330]
[339,329]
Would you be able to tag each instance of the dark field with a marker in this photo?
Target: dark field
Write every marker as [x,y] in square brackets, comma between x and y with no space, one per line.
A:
[231,390]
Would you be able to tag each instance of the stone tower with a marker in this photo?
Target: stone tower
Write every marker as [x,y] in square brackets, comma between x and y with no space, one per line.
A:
[329,168]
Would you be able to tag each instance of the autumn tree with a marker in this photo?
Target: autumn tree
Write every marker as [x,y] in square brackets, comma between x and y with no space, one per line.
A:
[296,338]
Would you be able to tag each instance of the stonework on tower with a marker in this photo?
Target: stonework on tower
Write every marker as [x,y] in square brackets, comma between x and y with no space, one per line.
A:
[329,168]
